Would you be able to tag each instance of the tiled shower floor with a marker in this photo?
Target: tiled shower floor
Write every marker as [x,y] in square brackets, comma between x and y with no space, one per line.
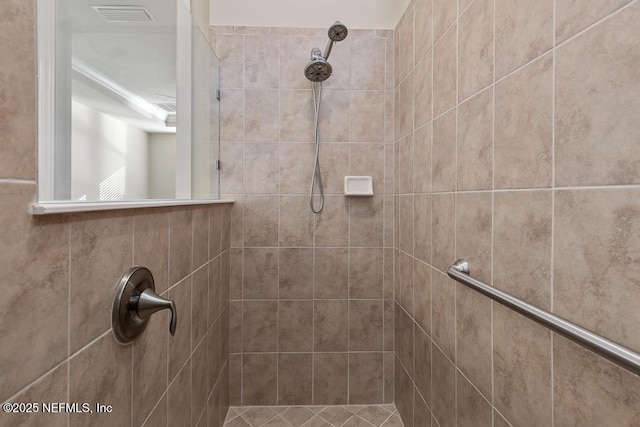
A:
[313,416]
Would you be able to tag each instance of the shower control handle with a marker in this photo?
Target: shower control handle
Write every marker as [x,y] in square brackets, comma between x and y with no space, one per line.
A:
[148,302]
[134,301]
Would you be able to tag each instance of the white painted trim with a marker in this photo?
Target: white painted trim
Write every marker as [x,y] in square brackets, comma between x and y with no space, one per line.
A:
[46,43]
[44,208]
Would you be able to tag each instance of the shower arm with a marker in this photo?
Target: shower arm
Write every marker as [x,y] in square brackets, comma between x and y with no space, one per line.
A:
[327,50]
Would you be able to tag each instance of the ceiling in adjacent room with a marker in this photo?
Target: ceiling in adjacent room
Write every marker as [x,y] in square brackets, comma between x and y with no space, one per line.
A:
[378,14]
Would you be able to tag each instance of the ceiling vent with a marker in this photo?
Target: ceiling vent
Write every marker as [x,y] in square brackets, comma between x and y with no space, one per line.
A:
[124,14]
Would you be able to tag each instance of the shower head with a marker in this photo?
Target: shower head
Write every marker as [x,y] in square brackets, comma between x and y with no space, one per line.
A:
[338,32]
[318,70]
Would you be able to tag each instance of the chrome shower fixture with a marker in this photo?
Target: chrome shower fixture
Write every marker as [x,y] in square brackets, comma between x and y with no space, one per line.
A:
[319,70]
[337,32]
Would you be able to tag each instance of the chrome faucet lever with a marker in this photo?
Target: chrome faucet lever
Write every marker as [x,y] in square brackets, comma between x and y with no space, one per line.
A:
[148,302]
[134,302]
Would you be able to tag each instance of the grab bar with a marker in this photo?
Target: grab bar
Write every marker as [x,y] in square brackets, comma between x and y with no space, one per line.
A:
[616,353]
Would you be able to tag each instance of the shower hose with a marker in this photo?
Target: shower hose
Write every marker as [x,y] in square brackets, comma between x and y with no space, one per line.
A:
[316,88]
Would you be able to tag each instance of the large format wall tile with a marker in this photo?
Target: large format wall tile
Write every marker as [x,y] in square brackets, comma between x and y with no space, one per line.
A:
[475,48]
[365,273]
[331,273]
[330,325]
[101,373]
[261,62]
[150,373]
[35,264]
[404,96]
[597,104]
[368,159]
[259,380]
[522,245]
[475,143]
[296,162]
[444,386]
[296,273]
[295,321]
[260,279]
[573,16]
[472,409]
[261,114]
[230,52]
[365,378]
[422,274]
[422,159]
[443,230]
[422,242]
[444,13]
[330,384]
[423,95]
[336,256]
[524,127]
[404,46]
[522,368]
[589,390]
[261,220]
[261,168]
[529,100]
[473,338]
[296,116]
[474,232]
[367,116]
[366,325]
[423,369]
[367,63]
[259,322]
[596,275]
[423,28]
[180,343]
[180,244]
[51,387]
[151,245]
[295,379]
[334,120]
[524,30]
[18,94]
[96,237]
[445,71]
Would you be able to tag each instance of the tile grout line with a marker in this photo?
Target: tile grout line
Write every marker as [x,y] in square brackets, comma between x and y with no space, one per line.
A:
[430,403]
[279,228]
[68,358]
[493,208]
[553,199]
[456,206]
[167,342]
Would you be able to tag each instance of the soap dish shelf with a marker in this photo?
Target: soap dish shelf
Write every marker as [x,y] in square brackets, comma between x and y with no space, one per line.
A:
[359,186]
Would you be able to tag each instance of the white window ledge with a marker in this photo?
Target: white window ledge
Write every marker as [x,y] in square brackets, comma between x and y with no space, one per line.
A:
[47,208]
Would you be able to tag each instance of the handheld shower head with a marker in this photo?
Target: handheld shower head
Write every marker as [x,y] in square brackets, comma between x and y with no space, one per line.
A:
[338,32]
[319,70]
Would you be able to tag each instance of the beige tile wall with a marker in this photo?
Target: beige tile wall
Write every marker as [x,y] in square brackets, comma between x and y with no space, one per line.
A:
[311,295]
[59,274]
[516,148]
